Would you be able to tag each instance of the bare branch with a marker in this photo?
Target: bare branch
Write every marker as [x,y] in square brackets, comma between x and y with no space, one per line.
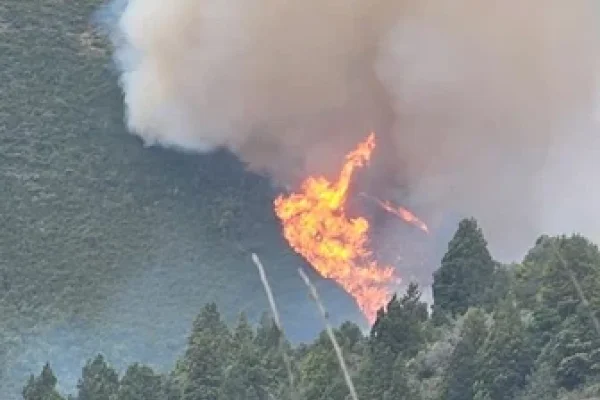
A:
[577,286]
[329,329]
[276,319]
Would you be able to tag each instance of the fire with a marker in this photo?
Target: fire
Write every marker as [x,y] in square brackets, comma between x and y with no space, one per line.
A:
[316,226]
[401,212]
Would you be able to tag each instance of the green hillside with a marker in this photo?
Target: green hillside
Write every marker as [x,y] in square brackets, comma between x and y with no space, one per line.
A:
[528,331]
[102,239]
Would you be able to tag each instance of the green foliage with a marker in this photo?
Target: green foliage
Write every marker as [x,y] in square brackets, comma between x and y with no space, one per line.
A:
[400,328]
[398,333]
[318,371]
[98,382]
[463,367]
[465,276]
[99,231]
[505,359]
[272,345]
[540,385]
[207,355]
[566,271]
[86,209]
[140,383]
[560,277]
[42,387]
[245,377]
[320,375]
[523,342]
[399,388]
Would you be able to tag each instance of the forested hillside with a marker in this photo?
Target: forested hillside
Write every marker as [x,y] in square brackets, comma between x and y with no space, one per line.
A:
[111,248]
[497,332]
[101,237]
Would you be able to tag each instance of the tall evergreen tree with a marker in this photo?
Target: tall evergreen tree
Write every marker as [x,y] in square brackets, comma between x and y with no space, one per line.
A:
[541,385]
[268,335]
[505,359]
[571,275]
[321,376]
[272,345]
[462,369]
[140,383]
[245,377]
[400,389]
[398,332]
[98,382]
[376,372]
[207,355]
[466,273]
[400,328]
[43,387]
[567,307]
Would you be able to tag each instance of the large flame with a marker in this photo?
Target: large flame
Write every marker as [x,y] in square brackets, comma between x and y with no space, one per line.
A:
[316,226]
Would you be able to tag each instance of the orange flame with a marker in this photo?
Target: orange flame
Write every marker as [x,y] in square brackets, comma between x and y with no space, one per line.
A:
[316,226]
[401,212]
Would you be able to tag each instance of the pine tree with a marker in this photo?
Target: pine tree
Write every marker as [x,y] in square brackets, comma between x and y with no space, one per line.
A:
[505,359]
[98,382]
[140,383]
[272,345]
[398,332]
[462,369]
[400,328]
[400,388]
[43,387]
[541,385]
[567,303]
[320,372]
[268,335]
[571,265]
[245,377]
[172,387]
[376,372]
[207,355]
[466,273]
[243,333]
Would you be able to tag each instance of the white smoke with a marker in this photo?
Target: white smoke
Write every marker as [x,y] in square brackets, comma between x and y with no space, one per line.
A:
[485,108]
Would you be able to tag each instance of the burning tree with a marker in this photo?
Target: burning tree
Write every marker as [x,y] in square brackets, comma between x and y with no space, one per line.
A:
[316,225]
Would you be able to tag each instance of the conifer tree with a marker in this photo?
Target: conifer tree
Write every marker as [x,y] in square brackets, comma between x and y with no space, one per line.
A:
[462,369]
[400,328]
[466,273]
[400,388]
[272,344]
[541,384]
[98,382]
[43,387]
[505,359]
[245,377]
[207,355]
[399,331]
[140,383]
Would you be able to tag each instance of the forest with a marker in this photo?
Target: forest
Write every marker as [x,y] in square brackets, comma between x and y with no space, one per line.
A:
[90,217]
[526,331]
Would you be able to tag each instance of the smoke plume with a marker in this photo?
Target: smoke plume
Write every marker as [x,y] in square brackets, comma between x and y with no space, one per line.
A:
[482,108]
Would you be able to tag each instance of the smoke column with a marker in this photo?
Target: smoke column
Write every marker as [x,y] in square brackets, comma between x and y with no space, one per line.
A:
[482,108]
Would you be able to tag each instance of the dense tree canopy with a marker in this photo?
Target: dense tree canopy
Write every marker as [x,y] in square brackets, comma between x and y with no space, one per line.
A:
[465,276]
[518,332]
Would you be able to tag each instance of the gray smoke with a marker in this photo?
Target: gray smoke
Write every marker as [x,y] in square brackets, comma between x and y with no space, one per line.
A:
[482,108]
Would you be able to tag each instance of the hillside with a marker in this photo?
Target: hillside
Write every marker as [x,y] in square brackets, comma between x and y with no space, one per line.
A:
[101,237]
[528,331]
[109,247]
